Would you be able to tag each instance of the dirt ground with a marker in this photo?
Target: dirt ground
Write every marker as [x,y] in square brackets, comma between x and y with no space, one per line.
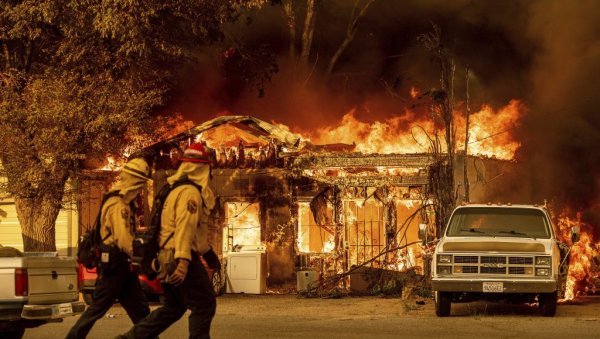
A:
[290,316]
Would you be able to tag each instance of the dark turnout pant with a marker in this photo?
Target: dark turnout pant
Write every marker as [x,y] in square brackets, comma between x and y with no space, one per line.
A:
[195,293]
[121,284]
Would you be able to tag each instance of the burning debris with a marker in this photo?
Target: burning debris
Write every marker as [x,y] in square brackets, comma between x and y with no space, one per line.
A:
[345,219]
[584,257]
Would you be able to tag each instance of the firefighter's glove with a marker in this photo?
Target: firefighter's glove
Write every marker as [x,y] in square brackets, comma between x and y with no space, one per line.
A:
[178,276]
[212,260]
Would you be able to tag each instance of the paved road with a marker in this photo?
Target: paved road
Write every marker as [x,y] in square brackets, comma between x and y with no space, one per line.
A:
[287,316]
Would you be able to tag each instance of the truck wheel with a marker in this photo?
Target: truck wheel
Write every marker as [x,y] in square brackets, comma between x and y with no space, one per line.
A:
[87,298]
[13,333]
[547,302]
[442,304]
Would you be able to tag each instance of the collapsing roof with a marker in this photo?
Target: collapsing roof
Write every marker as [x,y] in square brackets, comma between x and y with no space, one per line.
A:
[248,142]
[256,127]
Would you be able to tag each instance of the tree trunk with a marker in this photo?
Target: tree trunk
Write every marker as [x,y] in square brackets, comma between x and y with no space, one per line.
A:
[37,217]
[309,28]
[290,15]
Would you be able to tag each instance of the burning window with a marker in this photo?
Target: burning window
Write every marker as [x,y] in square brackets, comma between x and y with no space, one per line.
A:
[313,238]
[364,231]
[243,225]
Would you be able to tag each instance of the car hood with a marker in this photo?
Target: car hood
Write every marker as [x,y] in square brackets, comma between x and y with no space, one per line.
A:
[495,244]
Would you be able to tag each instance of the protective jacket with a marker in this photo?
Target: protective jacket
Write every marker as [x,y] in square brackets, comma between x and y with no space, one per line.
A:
[186,212]
[117,222]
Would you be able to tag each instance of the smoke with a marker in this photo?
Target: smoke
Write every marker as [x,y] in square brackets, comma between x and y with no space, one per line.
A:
[375,73]
[561,134]
[544,53]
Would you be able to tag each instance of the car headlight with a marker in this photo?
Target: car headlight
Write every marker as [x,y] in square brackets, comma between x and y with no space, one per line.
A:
[444,258]
[543,261]
[542,271]
[444,269]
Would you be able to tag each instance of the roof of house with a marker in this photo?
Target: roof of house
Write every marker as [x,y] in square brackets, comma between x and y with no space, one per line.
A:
[253,126]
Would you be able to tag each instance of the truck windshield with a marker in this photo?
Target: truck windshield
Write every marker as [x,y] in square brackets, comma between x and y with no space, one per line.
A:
[501,222]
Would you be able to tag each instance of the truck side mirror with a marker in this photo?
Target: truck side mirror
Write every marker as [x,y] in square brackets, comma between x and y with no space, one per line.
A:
[575,234]
[423,233]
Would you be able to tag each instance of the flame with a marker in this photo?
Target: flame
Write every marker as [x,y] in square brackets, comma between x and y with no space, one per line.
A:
[406,259]
[488,130]
[581,272]
[306,220]
[410,132]
[243,224]
[111,164]
[230,136]
[391,136]
[414,92]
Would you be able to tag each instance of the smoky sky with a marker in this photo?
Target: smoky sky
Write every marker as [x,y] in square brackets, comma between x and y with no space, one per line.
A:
[544,53]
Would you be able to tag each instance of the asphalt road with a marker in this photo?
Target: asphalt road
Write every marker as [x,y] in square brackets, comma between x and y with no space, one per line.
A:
[288,316]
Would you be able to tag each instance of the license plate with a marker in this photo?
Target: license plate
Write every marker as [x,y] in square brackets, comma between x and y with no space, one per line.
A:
[493,287]
[64,309]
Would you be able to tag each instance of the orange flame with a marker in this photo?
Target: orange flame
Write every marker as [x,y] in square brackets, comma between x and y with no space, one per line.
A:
[489,130]
[243,225]
[581,271]
[410,133]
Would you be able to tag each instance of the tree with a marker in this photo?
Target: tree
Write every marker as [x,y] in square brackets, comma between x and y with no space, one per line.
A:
[358,11]
[78,79]
[292,9]
[441,171]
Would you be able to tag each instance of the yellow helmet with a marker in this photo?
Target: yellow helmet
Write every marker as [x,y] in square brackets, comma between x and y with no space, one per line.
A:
[138,167]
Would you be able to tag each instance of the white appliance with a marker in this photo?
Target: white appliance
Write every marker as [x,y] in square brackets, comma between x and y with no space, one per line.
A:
[247,270]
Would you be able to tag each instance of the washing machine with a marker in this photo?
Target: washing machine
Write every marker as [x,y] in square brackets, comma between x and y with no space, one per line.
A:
[247,270]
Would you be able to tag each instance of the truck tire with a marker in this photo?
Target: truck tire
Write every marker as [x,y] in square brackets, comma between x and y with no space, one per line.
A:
[443,304]
[13,333]
[547,303]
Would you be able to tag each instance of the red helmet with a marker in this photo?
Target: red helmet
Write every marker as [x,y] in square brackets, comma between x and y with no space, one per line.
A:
[196,152]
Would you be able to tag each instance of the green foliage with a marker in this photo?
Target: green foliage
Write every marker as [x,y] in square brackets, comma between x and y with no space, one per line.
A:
[79,79]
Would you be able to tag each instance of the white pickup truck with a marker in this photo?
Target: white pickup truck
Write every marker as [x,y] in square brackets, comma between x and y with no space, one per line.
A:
[36,288]
[499,252]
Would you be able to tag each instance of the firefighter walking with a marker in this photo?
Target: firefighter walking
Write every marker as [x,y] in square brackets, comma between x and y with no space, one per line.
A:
[184,238]
[115,278]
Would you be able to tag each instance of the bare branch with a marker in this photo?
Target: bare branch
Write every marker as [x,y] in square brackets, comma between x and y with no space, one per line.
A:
[357,14]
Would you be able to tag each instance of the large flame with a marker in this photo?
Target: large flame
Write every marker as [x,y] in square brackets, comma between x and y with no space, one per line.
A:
[243,225]
[309,233]
[489,132]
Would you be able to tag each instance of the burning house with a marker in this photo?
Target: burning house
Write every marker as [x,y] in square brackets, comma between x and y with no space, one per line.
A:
[322,210]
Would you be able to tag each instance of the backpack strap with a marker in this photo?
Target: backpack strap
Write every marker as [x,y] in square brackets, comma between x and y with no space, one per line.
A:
[99,215]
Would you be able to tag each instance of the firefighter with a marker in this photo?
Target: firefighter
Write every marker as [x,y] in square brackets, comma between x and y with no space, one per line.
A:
[184,233]
[115,278]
